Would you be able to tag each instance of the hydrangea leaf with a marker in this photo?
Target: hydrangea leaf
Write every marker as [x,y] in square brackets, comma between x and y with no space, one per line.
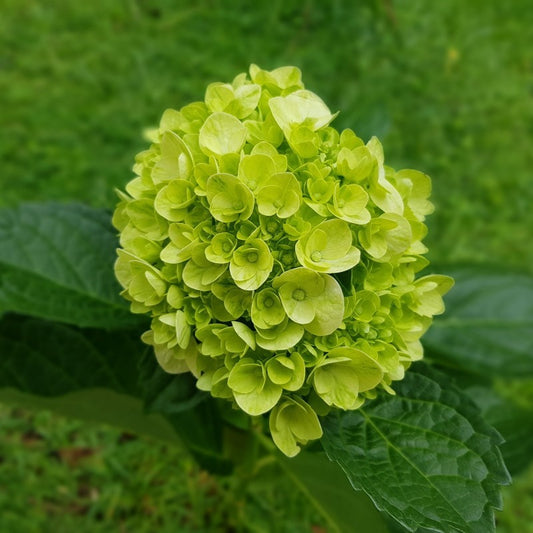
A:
[425,456]
[222,134]
[486,330]
[328,248]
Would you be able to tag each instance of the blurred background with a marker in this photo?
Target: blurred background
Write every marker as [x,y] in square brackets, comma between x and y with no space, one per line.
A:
[448,88]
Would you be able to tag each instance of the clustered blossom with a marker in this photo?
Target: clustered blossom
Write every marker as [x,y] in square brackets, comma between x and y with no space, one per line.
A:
[276,256]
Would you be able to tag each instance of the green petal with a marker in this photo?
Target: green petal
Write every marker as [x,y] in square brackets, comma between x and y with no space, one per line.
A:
[293,422]
[349,204]
[256,169]
[298,375]
[329,309]
[386,236]
[328,248]
[172,200]
[265,148]
[300,108]
[199,273]
[246,376]
[261,401]
[143,216]
[280,370]
[280,196]
[280,337]
[210,342]
[229,199]
[175,162]
[282,78]
[369,372]
[337,383]
[355,164]
[245,333]
[267,310]
[222,134]
[382,192]
[251,264]
[221,248]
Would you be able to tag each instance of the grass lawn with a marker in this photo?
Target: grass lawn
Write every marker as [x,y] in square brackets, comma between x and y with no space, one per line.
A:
[448,88]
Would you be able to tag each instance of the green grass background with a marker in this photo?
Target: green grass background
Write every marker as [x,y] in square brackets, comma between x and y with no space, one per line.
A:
[447,86]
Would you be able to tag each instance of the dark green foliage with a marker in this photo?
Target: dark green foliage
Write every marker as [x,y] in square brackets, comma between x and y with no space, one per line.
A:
[425,456]
[327,489]
[56,262]
[488,326]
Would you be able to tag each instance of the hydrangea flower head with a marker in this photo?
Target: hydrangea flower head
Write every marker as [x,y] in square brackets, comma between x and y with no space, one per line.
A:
[276,256]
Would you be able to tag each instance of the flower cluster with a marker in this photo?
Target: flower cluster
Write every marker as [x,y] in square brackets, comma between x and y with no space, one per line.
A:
[276,256]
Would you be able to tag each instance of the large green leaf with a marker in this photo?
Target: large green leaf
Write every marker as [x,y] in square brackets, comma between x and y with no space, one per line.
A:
[328,490]
[111,377]
[56,262]
[488,325]
[512,419]
[425,456]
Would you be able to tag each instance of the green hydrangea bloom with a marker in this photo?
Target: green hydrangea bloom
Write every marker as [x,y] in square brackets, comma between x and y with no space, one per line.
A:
[276,256]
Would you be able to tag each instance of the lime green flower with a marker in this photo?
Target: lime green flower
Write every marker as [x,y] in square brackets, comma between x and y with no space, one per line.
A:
[251,264]
[229,199]
[328,248]
[344,374]
[293,422]
[276,256]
